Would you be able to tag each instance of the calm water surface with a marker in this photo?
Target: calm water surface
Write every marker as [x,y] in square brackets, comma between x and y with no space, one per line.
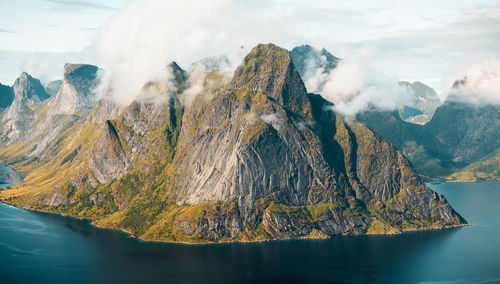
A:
[41,248]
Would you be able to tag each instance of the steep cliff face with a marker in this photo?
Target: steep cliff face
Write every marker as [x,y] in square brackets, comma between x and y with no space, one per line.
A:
[294,169]
[76,94]
[251,159]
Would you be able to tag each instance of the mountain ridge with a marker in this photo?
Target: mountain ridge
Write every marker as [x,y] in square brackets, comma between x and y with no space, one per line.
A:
[255,158]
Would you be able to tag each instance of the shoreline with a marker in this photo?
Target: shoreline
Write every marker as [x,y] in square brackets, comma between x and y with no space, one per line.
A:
[131,235]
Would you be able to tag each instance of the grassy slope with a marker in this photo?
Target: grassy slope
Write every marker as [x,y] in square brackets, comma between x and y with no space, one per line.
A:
[479,171]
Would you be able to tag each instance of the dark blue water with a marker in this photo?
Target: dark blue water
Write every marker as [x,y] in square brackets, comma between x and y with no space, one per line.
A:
[41,248]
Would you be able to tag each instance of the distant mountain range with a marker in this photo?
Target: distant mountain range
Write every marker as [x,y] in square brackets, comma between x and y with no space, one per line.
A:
[252,157]
[439,139]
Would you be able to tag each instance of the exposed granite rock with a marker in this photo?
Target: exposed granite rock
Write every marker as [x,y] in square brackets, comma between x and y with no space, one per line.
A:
[76,95]
[108,160]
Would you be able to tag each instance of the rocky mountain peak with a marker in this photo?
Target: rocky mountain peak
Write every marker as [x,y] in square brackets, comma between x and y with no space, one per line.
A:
[421,103]
[82,76]
[76,94]
[305,56]
[26,86]
[313,65]
[179,76]
[18,117]
[269,69]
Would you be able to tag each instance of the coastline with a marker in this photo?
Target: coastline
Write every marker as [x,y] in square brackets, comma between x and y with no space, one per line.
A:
[133,236]
[159,241]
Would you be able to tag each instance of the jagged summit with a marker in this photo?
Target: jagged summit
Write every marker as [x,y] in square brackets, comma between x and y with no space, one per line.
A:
[28,87]
[18,117]
[269,69]
[313,65]
[180,77]
[306,56]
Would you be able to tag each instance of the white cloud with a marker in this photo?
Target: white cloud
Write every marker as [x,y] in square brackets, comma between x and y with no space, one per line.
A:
[482,83]
[355,84]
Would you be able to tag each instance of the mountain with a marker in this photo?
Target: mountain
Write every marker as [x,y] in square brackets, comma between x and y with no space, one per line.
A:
[6,96]
[213,63]
[485,169]
[17,118]
[76,93]
[421,104]
[253,157]
[438,139]
[53,87]
[458,135]
[313,65]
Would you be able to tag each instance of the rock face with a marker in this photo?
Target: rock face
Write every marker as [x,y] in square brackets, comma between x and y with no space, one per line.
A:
[18,117]
[421,105]
[76,95]
[288,164]
[6,96]
[254,158]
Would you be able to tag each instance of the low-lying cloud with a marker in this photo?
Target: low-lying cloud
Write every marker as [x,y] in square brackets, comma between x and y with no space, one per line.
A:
[356,84]
[481,83]
[139,41]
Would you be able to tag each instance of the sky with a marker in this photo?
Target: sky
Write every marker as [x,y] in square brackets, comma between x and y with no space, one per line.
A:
[428,41]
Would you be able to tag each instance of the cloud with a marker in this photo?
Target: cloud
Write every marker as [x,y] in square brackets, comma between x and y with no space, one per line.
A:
[481,83]
[138,42]
[77,5]
[48,66]
[6,31]
[274,119]
[356,84]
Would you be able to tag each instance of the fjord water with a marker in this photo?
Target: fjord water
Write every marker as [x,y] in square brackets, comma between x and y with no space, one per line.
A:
[40,247]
